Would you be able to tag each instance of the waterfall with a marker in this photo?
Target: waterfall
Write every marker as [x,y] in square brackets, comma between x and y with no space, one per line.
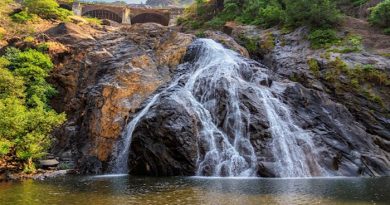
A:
[211,89]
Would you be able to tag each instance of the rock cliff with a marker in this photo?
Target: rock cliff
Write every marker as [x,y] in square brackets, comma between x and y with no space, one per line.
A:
[105,78]
[106,75]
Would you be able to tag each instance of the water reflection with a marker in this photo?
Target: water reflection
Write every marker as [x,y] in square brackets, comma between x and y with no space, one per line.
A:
[118,190]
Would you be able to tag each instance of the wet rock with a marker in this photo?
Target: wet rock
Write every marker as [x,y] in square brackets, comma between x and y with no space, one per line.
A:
[165,142]
[104,79]
[227,41]
[343,146]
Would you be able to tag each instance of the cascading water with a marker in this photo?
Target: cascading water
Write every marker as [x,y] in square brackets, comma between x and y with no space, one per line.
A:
[211,88]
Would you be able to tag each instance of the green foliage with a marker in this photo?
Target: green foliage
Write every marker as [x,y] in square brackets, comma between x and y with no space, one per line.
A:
[358,2]
[215,23]
[33,66]
[268,13]
[359,79]
[47,9]
[249,43]
[351,43]
[22,17]
[323,38]
[93,21]
[43,47]
[268,42]
[200,34]
[313,66]
[11,85]
[26,119]
[315,13]
[380,14]
[387,31]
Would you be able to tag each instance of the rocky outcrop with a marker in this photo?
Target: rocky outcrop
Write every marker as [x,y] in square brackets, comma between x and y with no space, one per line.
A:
[104,79]
[167,141]
[350,122]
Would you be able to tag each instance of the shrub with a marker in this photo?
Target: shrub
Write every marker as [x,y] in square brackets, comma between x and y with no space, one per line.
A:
[294,13]
[313,66]
[22,17]
[380,14]
[26,119]
[200,34]
[351,43]
[270,15]
[315,13]
[48,9]
[216,22]
[93,21]
[387,31]
[323,38]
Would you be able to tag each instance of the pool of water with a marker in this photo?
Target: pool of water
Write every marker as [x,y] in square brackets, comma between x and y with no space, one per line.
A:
[122,189]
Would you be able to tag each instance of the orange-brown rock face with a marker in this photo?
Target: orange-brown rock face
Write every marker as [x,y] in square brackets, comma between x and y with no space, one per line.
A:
[105,79]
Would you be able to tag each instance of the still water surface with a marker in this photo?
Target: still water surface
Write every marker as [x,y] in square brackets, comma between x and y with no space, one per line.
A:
[118,190]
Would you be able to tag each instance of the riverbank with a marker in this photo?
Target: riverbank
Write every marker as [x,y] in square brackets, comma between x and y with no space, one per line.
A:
[39,175]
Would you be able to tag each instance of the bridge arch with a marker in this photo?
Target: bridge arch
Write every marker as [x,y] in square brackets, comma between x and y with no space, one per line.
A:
[150,18]
[103,14]
[66,6]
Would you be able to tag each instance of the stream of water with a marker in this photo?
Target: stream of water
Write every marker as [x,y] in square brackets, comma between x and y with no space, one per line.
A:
[214,76]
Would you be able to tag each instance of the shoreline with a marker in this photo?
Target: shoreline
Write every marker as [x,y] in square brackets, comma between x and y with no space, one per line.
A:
[40,175]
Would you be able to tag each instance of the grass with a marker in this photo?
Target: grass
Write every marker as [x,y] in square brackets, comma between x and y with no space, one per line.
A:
[249,43]
[93,21]
[350,44]
[323,38]
[314,67]
[268,42]
[200,34]
[12,28]
[359,79]
[387,55]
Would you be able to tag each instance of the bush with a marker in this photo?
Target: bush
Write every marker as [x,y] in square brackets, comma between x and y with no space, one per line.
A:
[315,13]
[380,14]
[293,13]
[270,15]
[26,119]
[22,17]
[93,21]
[323,38]
[387,31]
[47,9]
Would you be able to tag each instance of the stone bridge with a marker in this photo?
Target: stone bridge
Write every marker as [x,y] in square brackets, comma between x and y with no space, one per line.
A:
[125,14]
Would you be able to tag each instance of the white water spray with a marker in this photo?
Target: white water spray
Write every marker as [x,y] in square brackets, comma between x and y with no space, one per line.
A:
[216,80]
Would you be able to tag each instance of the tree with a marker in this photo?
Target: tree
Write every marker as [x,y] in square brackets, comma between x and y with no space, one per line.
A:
[380,14]
[26,119]
[315,13]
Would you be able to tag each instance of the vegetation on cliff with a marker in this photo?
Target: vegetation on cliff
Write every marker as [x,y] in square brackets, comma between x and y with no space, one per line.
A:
[27,120]
[380,16]
[290,13]
[322,17]
[47,9]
